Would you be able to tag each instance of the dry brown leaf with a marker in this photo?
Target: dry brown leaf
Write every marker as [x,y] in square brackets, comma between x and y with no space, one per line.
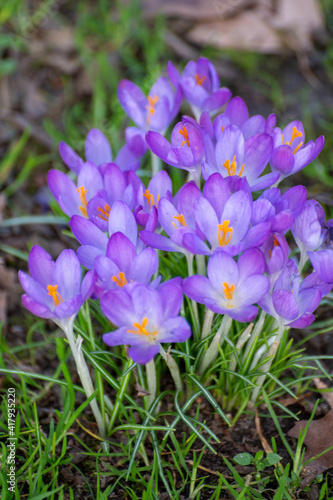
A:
[318,438]
[192,10]
[247,31]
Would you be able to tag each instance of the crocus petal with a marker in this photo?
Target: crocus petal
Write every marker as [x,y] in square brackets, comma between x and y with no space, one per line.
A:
[87,285]
[144,266]
[121,250]
[252,290]
[222,269]
[122,219]
[175,330]
[67,274]
[172,297]
[97,148]
[87,255]
[70,158]
[216,100]
[195,245]
[246,315]
[41,266]
[285,304]
[35,290]
[265,181]
[117,307]
[303,322]
[250,262]
[36,308]
[237,111]
[282,159]
[87,233]
[134,102]
[69,307]
[230,144]
[303,156]
[199,288]
[144,352]
[217,192]
[158,241]
[256,155]
[322,262]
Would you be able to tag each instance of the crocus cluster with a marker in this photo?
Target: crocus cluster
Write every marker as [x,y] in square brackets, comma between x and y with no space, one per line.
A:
[230,212]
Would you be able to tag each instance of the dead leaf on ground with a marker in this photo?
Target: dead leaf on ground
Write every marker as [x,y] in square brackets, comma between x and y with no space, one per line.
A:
[318,438]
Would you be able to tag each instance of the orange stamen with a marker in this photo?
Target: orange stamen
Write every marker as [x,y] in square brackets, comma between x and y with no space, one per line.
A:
[57,298]
[275,241]
[231,168]
[225,230]
[151,107]
[120,279]
[183,131]
[83,200]
[181,220]
[228,290]
[150,198]
[141,329]
[199,79]
[105,212]
[294,135]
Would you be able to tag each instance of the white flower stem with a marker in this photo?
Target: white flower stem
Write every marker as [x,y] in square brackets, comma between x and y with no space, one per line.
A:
[189,258]
[266,366]
[302,261]
[151,381]
[212,351]
[173,367]
[155,164]
[255,333]
[201,264]
[241,341]
[83,371]
[207,326]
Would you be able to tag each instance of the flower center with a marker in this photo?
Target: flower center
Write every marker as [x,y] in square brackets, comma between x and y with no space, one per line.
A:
[294,135]
[181,220]
[232,167]
[57,298]
[183,131]
[141,329]
[275,244]
[150,198]
[151,107]
[199,79]
[228,291]
[120,279]
[83,200]
[104,212]
[224,233]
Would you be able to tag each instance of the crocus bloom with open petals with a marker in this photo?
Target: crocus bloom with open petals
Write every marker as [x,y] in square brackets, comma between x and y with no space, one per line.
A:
[148,199]
[54,289]
[201,85]
[290,153]
[231,288]
[146,318]
[232,155]
[123,265]
[154,112]
[186,149]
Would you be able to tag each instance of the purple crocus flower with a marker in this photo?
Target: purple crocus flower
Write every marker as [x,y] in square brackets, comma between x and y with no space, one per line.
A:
[148,199]
[232,155]
[186,149]
[154,112]
[123,265]
[54,290]
[176,218]
[231,288]
[74,199]
[98,151]
[94,241]
[146,318]
[223,218]
[290,153]
[276,251]
[201,86]
[290,302]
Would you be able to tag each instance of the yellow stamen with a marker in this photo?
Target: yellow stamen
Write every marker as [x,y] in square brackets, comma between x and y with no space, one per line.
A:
[224,230]
[294,135]
[151,107]
[275,241]
[150,198]
[141,329]
[222,128]
[83,200]
[181,220]
[120,279]
[228,290]
[105,212]
[57,298]
[183,131]
[199,79]
[231,168]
